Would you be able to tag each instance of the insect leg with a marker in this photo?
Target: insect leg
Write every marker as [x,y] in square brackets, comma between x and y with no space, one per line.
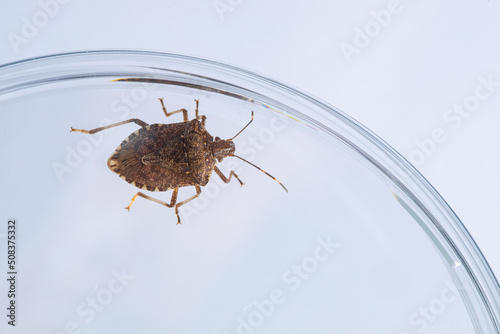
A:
[173,200]
[198,192]
[224,178]
[133,120]
[201,118]
[184,111]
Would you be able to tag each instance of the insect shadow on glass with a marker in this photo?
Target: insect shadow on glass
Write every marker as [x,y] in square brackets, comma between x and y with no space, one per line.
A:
[160,157]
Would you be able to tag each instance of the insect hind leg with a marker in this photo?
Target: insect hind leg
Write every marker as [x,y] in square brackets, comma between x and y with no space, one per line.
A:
[173,200]
[90,132]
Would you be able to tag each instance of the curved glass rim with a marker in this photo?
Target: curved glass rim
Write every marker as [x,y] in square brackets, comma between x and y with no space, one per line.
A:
[19,75]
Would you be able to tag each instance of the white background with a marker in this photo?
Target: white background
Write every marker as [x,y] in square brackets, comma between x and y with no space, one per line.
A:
[395,66]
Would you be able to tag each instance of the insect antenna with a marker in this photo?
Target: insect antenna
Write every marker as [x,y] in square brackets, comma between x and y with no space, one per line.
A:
[243,128]
[263,171]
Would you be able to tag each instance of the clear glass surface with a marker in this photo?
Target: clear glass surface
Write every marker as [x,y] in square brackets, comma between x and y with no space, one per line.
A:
[361,243]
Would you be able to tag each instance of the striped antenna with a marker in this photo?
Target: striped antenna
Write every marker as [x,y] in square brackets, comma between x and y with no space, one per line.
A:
[243,128]
[263,171]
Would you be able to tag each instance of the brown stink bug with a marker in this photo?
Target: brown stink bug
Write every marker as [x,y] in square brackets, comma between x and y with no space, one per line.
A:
[160,157]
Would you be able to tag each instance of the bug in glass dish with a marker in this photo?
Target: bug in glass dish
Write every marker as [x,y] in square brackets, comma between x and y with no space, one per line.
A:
[161,157]
[361,243]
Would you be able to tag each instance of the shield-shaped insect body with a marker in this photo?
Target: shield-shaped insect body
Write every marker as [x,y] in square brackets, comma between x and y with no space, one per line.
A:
[161,157]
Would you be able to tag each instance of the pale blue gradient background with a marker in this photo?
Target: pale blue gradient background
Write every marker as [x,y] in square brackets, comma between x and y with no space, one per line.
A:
[428,58]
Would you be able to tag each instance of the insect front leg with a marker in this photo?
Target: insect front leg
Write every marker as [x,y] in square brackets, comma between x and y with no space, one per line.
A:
[184,111]
[201,118]
[90,132]
[224,178]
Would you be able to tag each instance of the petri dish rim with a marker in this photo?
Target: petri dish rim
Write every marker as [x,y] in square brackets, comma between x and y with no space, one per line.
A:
[411,189]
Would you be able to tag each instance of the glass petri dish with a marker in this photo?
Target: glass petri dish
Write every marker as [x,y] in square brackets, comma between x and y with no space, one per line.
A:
[361,242]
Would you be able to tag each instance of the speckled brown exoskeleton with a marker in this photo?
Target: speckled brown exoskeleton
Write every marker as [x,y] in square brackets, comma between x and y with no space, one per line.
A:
[161,157]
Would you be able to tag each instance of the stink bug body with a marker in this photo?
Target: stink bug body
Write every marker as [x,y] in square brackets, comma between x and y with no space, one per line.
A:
[161,157]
